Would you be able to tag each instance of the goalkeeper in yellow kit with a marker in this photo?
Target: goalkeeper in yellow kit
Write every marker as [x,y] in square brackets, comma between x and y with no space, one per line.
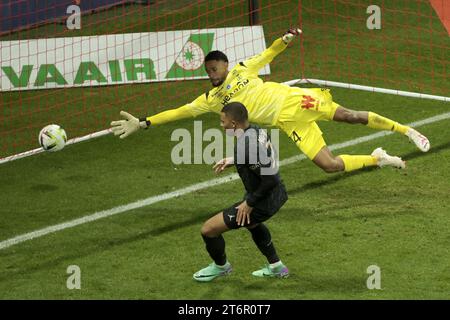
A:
[292,109]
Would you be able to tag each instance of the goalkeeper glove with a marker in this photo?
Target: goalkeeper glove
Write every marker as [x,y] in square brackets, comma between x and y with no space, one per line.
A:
[124,128]
[290,34]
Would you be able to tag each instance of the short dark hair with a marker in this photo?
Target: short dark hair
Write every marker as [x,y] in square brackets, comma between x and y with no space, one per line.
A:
[216,55]
[236,111]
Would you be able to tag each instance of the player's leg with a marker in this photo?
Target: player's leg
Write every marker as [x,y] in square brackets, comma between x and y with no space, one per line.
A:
[214,226]
[301,127]
[325,160]
[371,119]
[345,162]
[263,240]
[211,232]
[330,163]
[308,138]
[375,121]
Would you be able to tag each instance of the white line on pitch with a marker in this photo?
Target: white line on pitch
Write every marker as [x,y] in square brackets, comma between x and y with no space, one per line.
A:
[180,192]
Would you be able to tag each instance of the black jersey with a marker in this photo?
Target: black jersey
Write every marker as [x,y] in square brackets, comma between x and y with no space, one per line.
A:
[255,161]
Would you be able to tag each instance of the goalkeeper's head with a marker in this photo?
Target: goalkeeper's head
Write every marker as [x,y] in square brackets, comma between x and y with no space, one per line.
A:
[216,65]
[234,116]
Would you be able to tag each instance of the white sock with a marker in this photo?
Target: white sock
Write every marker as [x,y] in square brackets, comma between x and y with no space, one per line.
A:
[276,264]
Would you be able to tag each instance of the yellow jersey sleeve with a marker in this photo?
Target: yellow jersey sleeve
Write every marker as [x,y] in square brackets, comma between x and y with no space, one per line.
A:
[199,105]
[259,61]
[193,109]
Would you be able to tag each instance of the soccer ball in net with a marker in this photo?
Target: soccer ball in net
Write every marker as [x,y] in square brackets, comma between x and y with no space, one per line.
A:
[52,138]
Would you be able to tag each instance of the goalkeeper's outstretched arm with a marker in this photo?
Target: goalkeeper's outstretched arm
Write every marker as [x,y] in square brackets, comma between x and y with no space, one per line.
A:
[259,61]
[169,116]
[131,124]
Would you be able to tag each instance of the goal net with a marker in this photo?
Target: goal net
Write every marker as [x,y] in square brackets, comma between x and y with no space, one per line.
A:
[78,63]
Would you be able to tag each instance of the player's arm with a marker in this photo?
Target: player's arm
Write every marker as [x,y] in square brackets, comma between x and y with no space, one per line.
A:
[268,182]
[169,116]
[223,164]
[131,124]
[259,61]
[265,168]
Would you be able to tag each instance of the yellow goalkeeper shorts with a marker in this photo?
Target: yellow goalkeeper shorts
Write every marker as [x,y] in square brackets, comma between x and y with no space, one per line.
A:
[298,116]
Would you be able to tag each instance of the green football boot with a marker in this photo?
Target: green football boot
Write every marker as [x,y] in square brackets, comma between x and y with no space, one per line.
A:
[212,271]
[278,272]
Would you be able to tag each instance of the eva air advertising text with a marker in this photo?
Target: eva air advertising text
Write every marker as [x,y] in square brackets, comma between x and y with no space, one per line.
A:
[122,58]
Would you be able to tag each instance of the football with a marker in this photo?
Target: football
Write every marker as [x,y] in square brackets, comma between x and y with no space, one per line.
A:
[52,138]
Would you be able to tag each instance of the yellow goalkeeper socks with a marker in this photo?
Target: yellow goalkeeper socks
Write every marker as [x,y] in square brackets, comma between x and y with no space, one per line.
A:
[352,163]
[376,121]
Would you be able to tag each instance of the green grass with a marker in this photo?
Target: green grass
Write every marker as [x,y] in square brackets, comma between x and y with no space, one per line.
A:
[332,228]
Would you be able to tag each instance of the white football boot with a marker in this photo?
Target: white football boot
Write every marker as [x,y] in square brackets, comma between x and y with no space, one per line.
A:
[420,140]
[386,160]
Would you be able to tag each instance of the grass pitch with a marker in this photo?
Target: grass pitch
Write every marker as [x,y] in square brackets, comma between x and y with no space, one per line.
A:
[332,228]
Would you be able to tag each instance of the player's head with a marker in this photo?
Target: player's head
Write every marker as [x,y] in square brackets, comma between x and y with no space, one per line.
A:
[216,65]
[234,116]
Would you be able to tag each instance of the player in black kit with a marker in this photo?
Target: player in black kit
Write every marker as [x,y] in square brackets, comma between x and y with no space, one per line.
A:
[265,195]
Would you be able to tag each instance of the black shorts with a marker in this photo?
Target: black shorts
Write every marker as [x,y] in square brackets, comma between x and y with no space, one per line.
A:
[256,216]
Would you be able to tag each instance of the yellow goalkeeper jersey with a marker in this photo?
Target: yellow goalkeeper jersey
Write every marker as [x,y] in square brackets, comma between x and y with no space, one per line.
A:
[263,100]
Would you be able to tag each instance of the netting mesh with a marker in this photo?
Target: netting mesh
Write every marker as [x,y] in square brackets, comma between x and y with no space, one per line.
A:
[88,109]
[410,52]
